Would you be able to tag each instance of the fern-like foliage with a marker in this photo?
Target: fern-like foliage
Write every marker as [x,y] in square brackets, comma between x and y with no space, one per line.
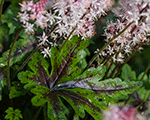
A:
[82,91]
[21,48]
[13,114]
[129,75]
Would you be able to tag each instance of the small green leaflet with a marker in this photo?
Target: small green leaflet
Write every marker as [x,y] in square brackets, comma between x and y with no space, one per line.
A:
[13,114]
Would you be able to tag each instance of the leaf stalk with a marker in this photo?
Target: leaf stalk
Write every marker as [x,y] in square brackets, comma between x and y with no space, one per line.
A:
[9,55]
[1,9]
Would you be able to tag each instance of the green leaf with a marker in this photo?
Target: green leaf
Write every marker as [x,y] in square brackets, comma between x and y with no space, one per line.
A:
[14,93]
[17,90]
[82,62]
[97,73]
[40,76]
[40,98]
[10,18]
[39,73]
[66,62]
[127,73]
[83,91]
[82,99]
[111,90]
[145,77]
[13,114]
[56,109]
[20,49]
[141,92]
[3,37]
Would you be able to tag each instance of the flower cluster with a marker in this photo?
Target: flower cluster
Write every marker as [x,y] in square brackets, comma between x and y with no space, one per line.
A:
[122,113]
[67,14]
[128,11]
[79,14]
[64,18]
[35,12]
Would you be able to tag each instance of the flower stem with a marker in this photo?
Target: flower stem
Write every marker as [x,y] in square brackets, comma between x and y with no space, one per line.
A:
[108,70]
[145,72]
[1,9]
[71,33]
[68,37]
[128,98]
[144,99]
[147,93]
[117,65]
[95,56]
[26,61]
[105,58]
[127,60]
[52,29]
[114,70]
[9,55]
[37,114]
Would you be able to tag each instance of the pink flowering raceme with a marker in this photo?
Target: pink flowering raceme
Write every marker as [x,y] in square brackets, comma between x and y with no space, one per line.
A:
[67,14]
[31,11]
[122,113]
[62,17]
[80,14]
[128,11]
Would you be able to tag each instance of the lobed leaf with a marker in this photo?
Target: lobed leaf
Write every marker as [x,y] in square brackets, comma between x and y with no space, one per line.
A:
[127,73]
[13,114]
[39,73]
[83,91]
[82,99]
[65,62]
[20,49]
[56,109]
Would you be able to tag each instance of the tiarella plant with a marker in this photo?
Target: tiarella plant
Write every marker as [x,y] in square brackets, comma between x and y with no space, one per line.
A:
[44,63]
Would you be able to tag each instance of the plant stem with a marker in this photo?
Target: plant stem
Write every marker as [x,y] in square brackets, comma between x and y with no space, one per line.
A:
[128,98]
[95,56]
[1,9]
[27,60]
[142,76]
[137,47]
[127,60]
[144,99]
[104,59]
[37,114]
[139,19]
[9,55]
[71,33]
[145,72]
[112,73]
[107,70]
[68,37]
[147,93]
[116,67]
[52,29]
